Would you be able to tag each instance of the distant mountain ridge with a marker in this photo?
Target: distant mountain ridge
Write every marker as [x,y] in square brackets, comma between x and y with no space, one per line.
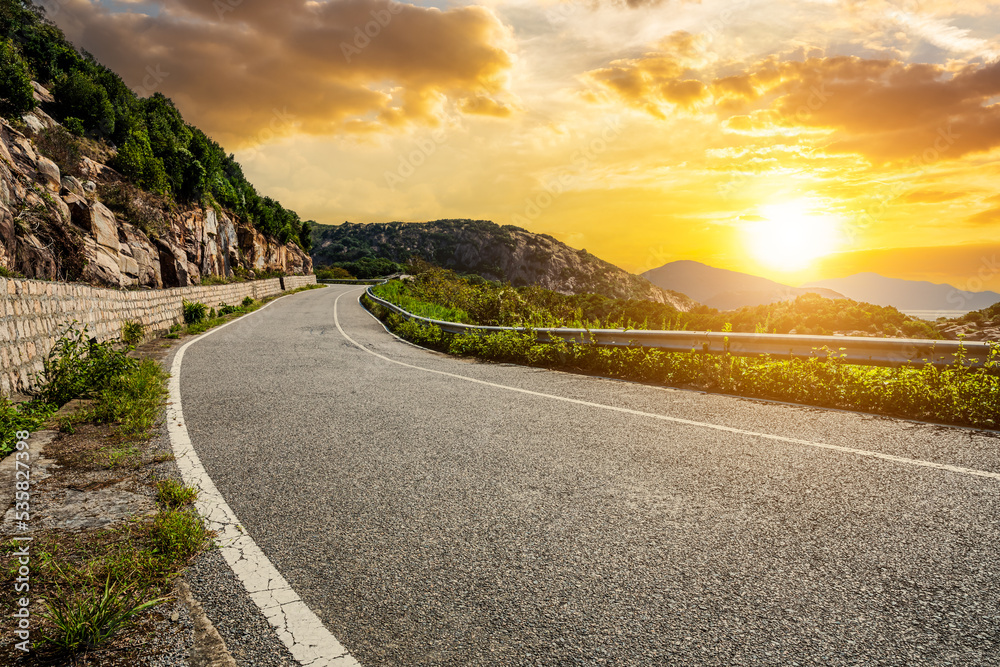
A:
[498,253]
[725,289]
[911,295]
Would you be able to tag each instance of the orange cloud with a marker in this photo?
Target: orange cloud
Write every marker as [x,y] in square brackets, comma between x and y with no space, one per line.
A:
[657,81]
[883,109]
[244,71]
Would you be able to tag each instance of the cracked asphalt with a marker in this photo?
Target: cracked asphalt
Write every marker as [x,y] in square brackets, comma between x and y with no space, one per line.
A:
[432,521]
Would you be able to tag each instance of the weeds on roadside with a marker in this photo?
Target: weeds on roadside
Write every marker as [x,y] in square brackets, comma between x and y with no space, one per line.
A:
[85,623]
[79,366]
[133,332]
[174,494]
[94,584]
[178,534]
[194,311]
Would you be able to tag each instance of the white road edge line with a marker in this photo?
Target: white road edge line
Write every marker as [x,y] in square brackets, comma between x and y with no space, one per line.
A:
[308,640]
[677,420]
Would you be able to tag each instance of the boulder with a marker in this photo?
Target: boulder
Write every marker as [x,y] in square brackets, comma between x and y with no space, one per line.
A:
[41,93]
[71,184]
[103,226]
[102,265]
[129,266]
[33,122]
[47,174]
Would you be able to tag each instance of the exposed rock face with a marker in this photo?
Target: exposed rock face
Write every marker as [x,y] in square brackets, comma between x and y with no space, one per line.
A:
[498,253]
[53,226]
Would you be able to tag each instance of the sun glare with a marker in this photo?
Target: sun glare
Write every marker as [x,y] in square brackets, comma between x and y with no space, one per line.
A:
[791,235]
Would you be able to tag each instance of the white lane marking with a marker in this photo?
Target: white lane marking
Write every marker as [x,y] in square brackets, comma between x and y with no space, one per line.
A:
[296,625]
[677,420]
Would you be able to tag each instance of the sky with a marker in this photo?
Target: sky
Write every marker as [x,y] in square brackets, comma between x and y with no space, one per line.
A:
[797,140]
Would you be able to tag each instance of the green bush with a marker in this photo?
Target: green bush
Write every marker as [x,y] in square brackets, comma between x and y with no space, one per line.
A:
[174,494]
[136,161]
[16,93]
[16,417]
[88,622]
[247,301]
[954,395]
[132,399]
[75,126]
[79,96]
[178,534]
[79,366]
[133,332]
[194,312]
[333,273]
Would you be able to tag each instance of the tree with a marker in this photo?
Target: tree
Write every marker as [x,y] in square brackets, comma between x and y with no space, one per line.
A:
[16,93]
[79,96]
[136,161]
[305,234]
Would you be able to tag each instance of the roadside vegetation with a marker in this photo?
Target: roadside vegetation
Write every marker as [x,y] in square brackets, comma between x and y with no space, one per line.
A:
[955,395]
[478,301]
[363,269]
[89,586]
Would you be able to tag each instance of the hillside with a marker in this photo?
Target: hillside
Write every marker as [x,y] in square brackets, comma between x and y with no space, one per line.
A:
[99,185]
[723,289]
[914,295]
[505,253]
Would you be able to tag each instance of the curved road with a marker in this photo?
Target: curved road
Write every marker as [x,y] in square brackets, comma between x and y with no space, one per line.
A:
[430,520]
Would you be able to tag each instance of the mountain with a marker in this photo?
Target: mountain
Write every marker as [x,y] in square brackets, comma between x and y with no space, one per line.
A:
[506,253]
[912,295]
[102,186]
[724,289]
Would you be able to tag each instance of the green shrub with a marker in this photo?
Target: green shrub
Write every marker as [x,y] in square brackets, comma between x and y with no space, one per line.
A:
[133,332]
[88,622]
[16,93]
[79,96]
[177,535]
[132,399]
[954,395]
[16,417]
[174,494]
[194,311]
[247,301]
[333,273]
[135,159]
[75,126]
[79,366]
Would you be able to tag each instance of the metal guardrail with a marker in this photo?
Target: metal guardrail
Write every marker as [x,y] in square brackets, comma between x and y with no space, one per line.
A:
[854,349]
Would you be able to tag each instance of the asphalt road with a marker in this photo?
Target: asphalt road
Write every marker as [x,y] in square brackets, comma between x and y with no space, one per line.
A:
[429,520]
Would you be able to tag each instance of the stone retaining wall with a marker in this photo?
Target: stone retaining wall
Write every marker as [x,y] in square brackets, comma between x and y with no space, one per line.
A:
[34,313]
[295,282]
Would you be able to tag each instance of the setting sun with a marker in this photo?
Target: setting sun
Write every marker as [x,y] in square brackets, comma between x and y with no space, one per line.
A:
[790,235]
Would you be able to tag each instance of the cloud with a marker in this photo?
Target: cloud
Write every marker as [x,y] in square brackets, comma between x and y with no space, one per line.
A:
[932,196]
[244,71]
[883,109]
[988,217]
[658,81]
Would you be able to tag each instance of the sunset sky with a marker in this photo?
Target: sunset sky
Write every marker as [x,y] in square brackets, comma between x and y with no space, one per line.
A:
[796,140]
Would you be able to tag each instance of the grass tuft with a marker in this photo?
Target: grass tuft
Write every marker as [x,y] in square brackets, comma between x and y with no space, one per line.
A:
[173,494]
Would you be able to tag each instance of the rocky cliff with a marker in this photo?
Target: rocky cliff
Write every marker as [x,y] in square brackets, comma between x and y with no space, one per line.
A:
[59,224]
[498,253]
